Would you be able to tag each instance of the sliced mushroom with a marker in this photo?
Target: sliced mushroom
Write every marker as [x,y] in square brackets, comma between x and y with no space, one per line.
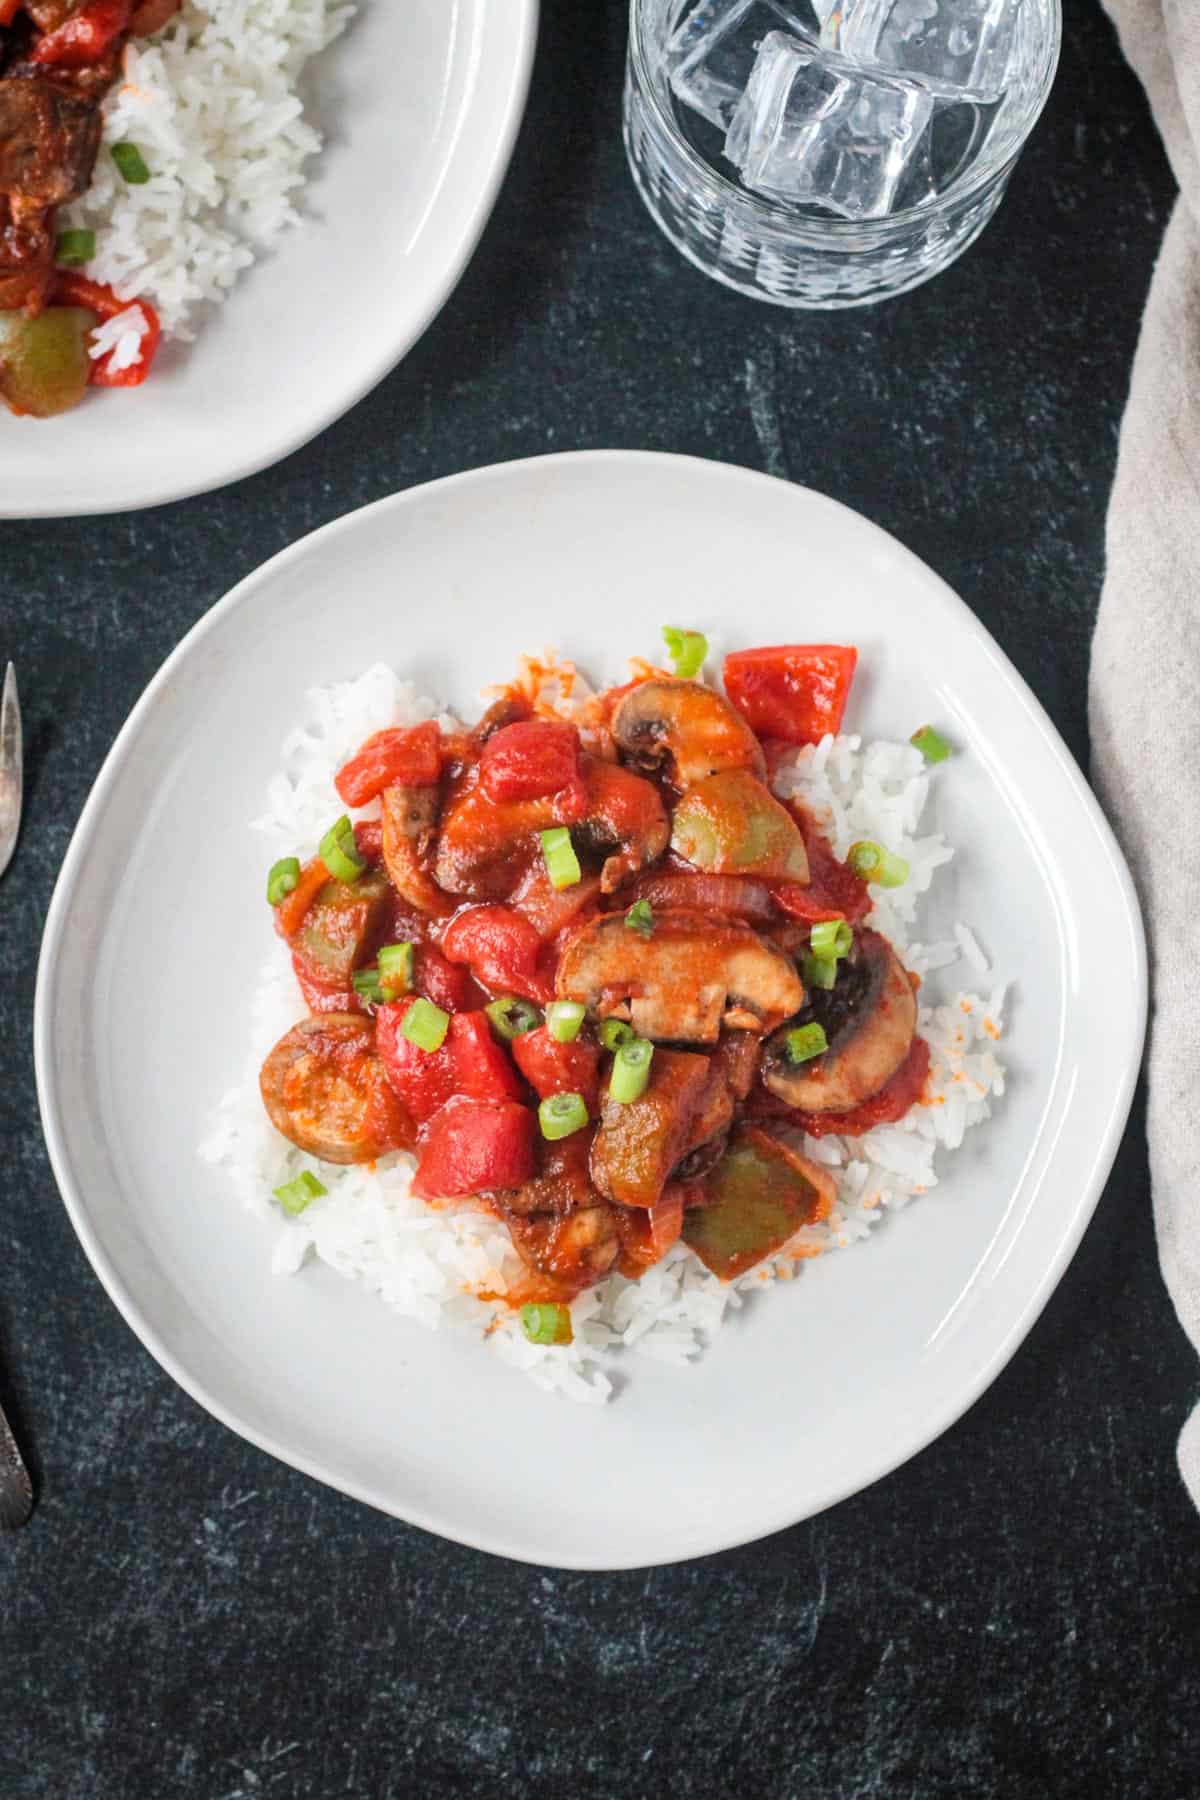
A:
[625,812]
[868,1016]
[730,824]
[685,730]
[576,1248]
[692,974]
[325,1089]
[409,820]
[732,1068]
[562,1183]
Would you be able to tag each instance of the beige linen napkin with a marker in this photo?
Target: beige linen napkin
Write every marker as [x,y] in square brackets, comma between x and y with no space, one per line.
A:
[1145,679]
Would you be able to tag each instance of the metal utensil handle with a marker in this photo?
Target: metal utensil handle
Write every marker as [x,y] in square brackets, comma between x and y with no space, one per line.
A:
[16,1489]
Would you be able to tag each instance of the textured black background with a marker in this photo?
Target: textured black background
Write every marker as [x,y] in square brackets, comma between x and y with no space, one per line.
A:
[1016,1611]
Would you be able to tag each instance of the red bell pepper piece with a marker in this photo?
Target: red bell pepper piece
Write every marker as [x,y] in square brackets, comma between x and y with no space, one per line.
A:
[83,38]
[423,1080]
[473,1146]
[528,760]
[553,1068]
[792,691]
[412,757]
[501,948]
[73,289]
[482,1068]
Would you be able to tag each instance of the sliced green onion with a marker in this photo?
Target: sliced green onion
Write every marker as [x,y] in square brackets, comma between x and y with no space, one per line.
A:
[512,1018]
[131,163]
[564,1020]
[562,864]
[805,1042]
[931,744]
[831,938]
[74,248]
[425,1025]
[396,968]
[561,1114]
[282,879]
[367,983]
[549,1324]
[875,864]
[640,918]
[688,650]
[615,1032]
[819,971]
[631,1070]
[294,1196]
[339,852]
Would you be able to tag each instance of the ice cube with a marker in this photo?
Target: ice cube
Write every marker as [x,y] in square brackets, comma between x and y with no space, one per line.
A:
[814,129]
[711,52]
[955,46]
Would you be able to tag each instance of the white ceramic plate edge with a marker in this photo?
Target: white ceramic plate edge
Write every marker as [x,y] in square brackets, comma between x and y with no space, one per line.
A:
[1091,1183]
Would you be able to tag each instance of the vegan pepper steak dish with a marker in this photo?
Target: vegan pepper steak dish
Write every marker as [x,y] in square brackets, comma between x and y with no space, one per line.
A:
[593,975]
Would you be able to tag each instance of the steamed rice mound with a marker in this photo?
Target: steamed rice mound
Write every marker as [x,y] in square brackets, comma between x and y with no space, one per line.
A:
[430,1265]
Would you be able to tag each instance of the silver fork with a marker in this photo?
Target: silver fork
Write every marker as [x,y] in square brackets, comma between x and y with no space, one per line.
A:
[11,779]
[16,1489]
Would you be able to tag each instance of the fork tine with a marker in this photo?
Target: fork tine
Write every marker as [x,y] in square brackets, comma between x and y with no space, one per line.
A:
[11,778]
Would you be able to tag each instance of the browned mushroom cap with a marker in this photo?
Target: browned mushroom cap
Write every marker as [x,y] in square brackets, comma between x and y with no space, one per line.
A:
[692,974]
[869,1017]
[325,1090]
[685,729]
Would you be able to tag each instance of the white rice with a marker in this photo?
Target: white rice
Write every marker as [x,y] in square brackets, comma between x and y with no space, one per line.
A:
[430,1264]
[212,104]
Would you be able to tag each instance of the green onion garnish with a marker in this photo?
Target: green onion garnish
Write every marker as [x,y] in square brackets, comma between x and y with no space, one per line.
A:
[294,1196]
[74,248]
[877,865]
[339,852]
[805,1042]
[512,1018]
[131,163]
[564,1020]
[819,971]
[631,1070]
[561,1114]
[562,864]
[549,1324]
[688,650]
[367,983]
[396,968]
[615,1032]
[425,1024]
[640,918]
[831,938]
[282,879]
[931,744]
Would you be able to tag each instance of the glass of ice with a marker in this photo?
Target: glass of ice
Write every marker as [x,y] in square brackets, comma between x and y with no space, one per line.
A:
[829,153]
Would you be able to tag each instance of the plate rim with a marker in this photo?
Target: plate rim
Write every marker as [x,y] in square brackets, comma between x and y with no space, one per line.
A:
[496,1542]
[524,34]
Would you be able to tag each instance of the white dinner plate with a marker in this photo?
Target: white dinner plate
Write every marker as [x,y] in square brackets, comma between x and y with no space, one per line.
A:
[158,928]
[419,102]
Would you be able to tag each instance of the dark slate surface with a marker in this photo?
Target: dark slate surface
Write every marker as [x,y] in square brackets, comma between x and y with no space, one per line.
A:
[1015,1612]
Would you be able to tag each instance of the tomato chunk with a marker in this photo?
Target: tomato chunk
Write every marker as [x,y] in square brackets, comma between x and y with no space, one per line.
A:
[412,758]
[448,987]
[423,1080]
[472,1146]
[483,1070]
[83,38]
[501,948]
[796,692]
[553,1068]
[529,759]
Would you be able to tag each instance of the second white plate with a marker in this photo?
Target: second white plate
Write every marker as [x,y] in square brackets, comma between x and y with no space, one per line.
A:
[158,928]
[419,103]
